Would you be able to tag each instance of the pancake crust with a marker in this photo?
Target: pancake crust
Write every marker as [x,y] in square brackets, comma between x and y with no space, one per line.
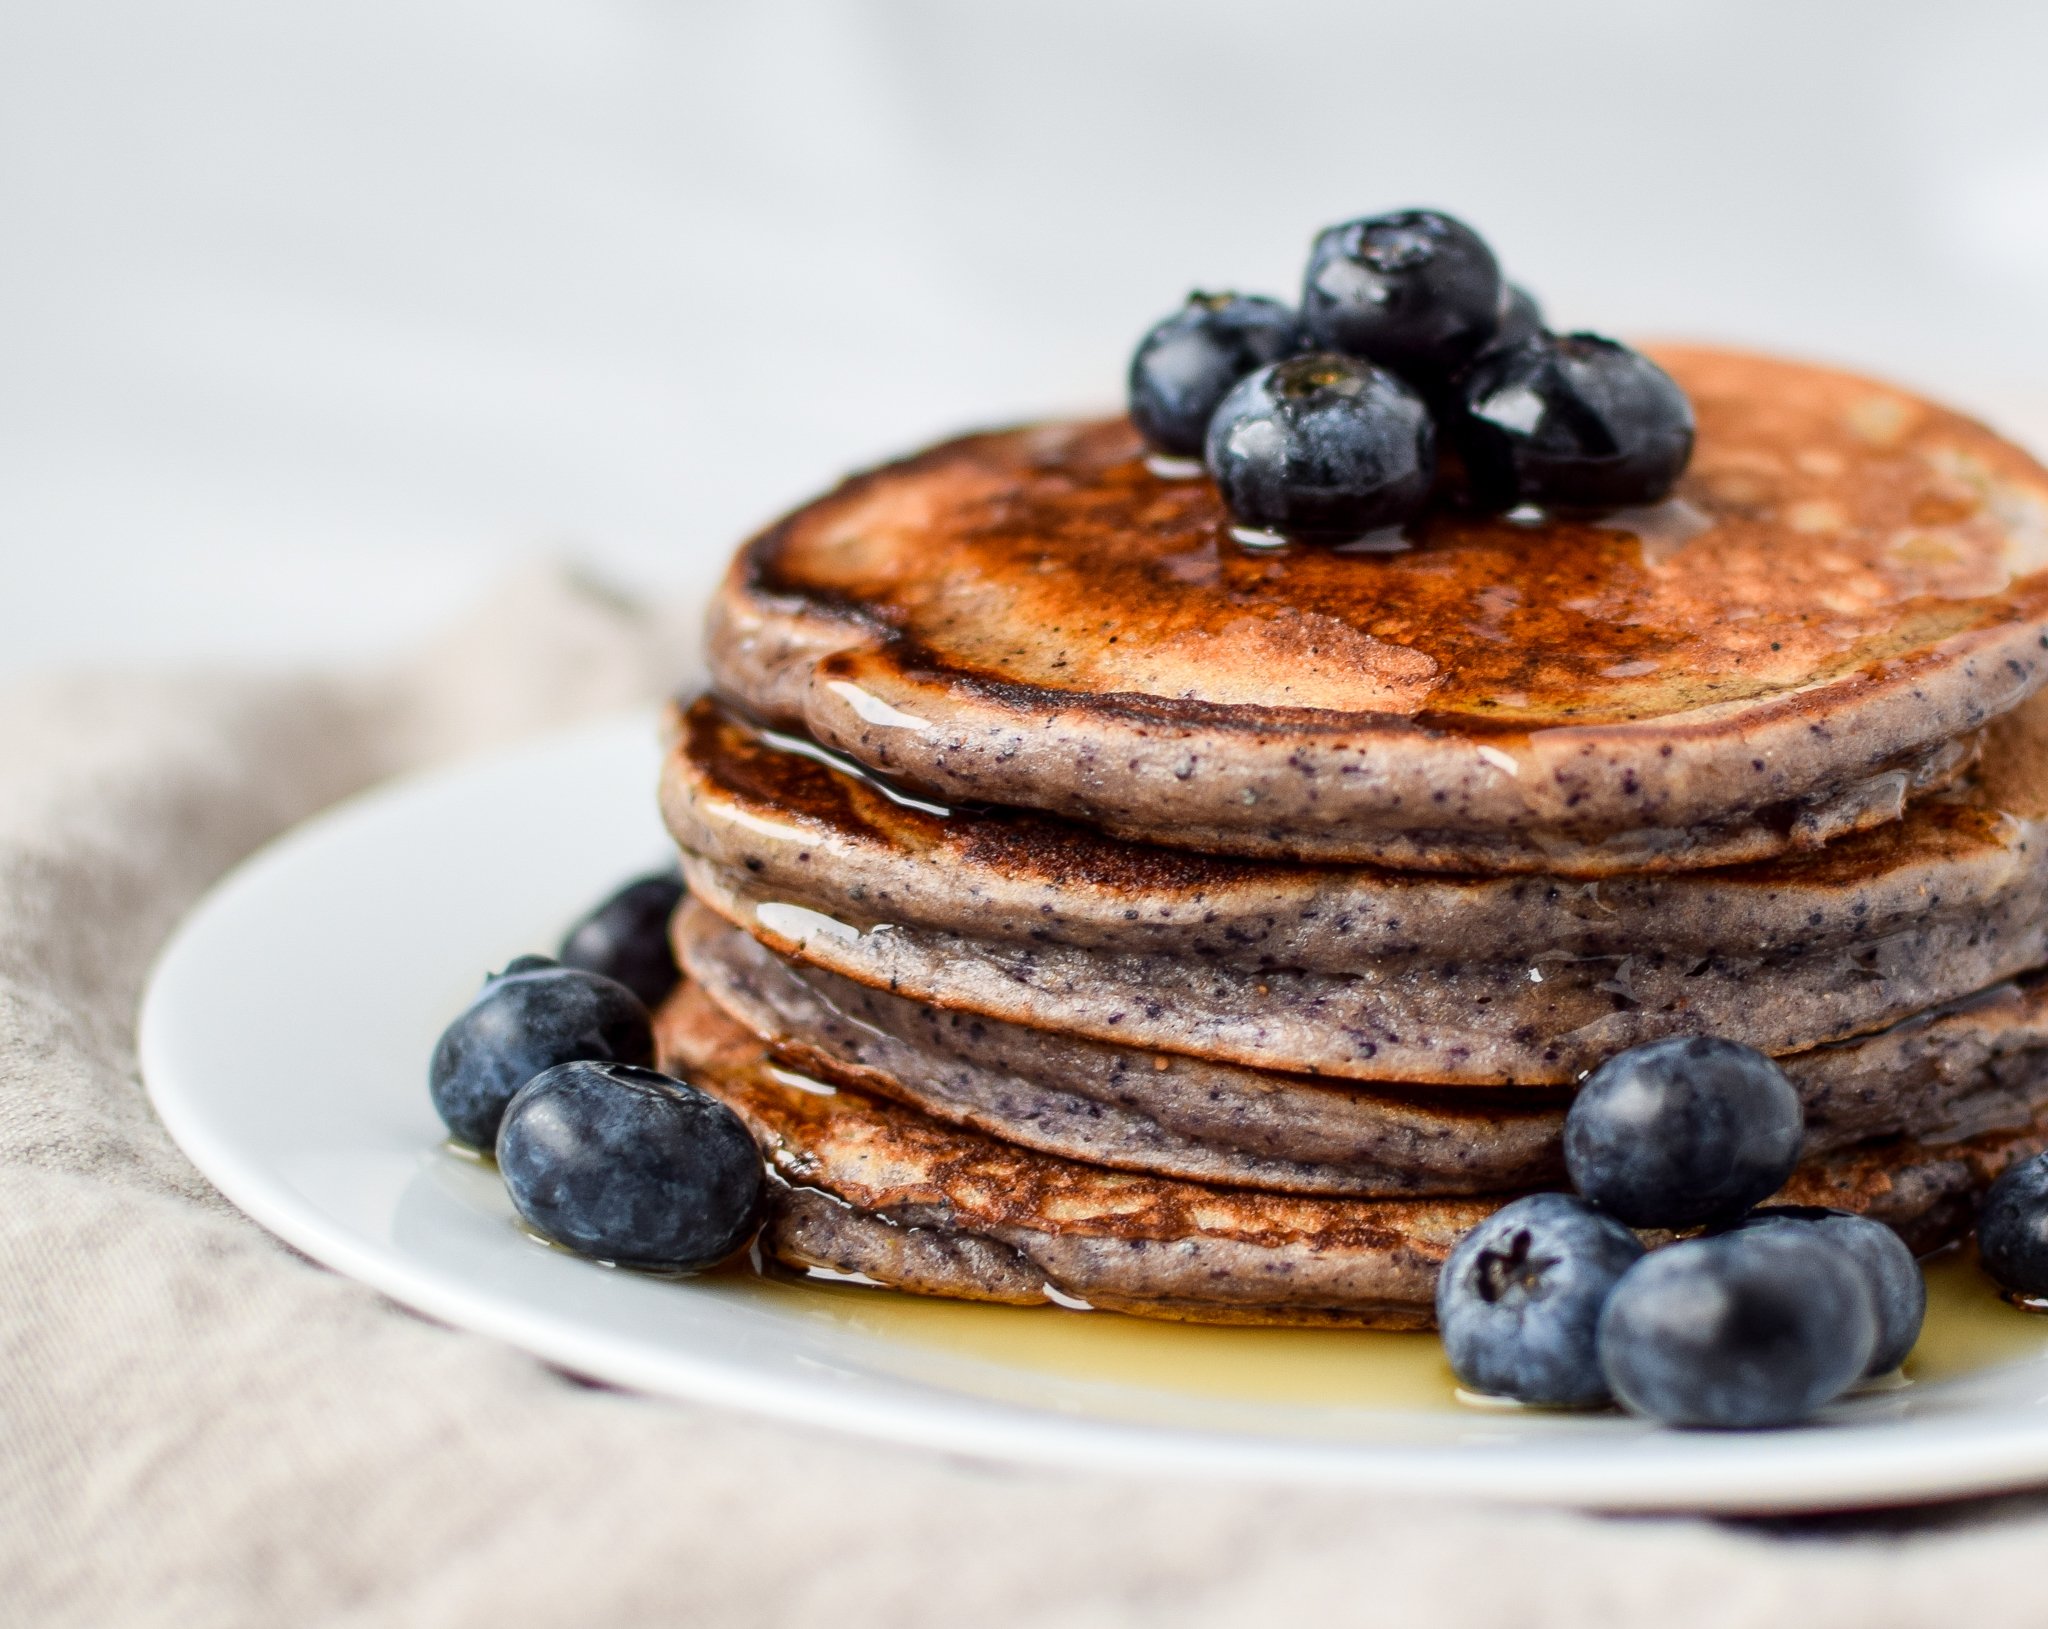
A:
[880,1190]
[1980,1065]
[1847,581]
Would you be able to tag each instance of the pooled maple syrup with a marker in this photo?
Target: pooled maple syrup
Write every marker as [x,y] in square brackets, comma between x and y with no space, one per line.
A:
[1300,1367]
[1969,1327]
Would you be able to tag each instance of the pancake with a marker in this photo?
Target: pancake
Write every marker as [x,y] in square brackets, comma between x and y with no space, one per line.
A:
[1360,971]
[878,1190]
[1482,1024]
[813,829]
[1847,583]
[1978,1066]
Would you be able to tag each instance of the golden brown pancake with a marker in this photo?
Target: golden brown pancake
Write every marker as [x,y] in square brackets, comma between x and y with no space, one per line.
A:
[1494,1028]
[1363,972]
[1846,584]
[879,1190]
[1975,1066]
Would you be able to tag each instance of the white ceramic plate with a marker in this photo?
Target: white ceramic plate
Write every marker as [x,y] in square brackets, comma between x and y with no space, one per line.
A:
[285,1038]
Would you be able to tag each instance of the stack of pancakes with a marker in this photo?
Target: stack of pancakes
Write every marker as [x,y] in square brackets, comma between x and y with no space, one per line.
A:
[1089,908]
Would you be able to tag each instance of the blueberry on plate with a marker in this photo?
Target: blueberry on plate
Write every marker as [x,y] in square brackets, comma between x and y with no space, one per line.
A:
[1416,291]
[1520,1297]
[631,1166]
[1898,1292]
[1682,1131]
[1570,422]
[528,1018]
[1322,446]
[1739,1329]
[1186,364]
[626,938]
[2012,1228]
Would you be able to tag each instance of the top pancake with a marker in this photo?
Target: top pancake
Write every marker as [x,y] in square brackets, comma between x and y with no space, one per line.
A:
[1847,581]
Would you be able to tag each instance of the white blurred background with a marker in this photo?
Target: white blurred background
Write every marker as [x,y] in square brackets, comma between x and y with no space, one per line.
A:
[315,318]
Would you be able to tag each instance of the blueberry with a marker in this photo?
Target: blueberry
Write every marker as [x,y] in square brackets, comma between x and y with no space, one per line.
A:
[1521,318]
[2012,1228]
[1682,1131]
[631,1166]
[1322,445]
[1570,422]
[1520,1296]
[626,937]
[1739,1329]
[526,1019]
[1186,365]
[1415,291]
[1898,1292]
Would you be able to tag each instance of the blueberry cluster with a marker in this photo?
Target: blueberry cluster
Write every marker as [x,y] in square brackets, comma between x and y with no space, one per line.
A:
[550,1068]
[1410,369]
[1758,1320]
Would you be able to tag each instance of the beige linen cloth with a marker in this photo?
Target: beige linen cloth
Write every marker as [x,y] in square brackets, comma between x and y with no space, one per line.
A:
[198,1427]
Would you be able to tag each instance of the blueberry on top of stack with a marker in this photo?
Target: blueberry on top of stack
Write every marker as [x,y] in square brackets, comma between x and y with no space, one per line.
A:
[1408,344]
